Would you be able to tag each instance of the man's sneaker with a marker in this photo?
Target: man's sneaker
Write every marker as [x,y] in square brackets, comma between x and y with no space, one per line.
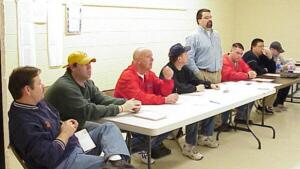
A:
[119,164]
[241,121]
[207,141]
[224,128]
[191,152]
[277,109]
[159,152]
[268,110]
[282,107]
[143,157]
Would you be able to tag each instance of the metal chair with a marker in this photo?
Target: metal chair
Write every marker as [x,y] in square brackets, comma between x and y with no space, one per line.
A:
[21,161]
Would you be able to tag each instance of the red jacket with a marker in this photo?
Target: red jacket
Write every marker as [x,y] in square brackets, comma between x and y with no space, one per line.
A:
[151,90]
[230,72]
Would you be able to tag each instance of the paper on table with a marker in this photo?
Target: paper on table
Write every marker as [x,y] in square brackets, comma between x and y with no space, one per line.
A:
[194,94]
[272,74]
[85,140]
[262,80]
[150,115]
[123,114]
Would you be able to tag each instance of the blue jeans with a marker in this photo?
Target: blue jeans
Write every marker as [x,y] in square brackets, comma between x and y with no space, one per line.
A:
[191,133]
[242,112]
[207,126]
[89,125]
[139,142]
[108,138]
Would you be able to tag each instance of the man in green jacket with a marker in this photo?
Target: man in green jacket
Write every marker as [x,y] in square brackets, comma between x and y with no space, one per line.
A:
[76,96]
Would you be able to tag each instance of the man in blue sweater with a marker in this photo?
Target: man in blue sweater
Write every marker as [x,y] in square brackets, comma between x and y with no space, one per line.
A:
[45,142]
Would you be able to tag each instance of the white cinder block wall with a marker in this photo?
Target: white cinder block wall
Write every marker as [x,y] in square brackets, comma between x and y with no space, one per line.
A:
[110,32]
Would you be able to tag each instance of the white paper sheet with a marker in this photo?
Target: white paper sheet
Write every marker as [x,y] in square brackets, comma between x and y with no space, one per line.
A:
[40,11]
[150,115]
[55,33]
[26,34]
[85,140]
[262,80]
[272,74]
[73,17]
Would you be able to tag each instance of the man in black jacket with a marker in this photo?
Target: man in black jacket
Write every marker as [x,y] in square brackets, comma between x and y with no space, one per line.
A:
[260,60]
[186,82]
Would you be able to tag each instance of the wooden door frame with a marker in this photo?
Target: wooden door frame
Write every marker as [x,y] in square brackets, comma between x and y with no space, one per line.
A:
[2,149]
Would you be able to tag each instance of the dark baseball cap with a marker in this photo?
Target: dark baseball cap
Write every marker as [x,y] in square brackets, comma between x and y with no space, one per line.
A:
[177,49]
[276,45]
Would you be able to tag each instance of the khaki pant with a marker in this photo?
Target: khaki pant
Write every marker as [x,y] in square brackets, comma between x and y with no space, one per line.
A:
[269,100]
[214,78]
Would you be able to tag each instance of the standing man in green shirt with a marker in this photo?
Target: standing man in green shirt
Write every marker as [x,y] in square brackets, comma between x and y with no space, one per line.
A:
[76,96]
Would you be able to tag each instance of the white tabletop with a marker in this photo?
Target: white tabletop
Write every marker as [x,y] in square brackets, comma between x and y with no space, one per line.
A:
[194,107]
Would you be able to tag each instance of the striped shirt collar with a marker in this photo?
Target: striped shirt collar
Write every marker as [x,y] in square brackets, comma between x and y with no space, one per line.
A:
[25,106]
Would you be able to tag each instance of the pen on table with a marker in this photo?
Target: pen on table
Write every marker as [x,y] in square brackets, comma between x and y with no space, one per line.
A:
[261,88]
[214,102]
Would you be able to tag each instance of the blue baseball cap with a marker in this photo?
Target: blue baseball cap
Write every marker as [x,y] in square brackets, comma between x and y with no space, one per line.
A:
[177,49]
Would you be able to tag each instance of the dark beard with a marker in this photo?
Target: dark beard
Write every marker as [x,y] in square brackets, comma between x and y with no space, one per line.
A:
[209,24]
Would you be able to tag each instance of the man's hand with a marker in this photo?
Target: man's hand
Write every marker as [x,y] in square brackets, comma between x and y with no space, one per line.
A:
[168,73]
[200,88]
[131,105]
[252,74]
[67,129]
[267,53]
[215,86]
[285,67]
[172,98]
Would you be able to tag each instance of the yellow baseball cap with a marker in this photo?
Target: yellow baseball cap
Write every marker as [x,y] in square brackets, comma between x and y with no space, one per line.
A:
[79,58]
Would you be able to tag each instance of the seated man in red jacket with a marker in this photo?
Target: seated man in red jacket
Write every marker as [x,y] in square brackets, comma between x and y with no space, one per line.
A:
[139,82]
[235,69]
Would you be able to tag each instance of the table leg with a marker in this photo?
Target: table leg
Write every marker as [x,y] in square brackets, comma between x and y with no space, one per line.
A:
[247,129]
[149,152]
[128,142]
[263,120]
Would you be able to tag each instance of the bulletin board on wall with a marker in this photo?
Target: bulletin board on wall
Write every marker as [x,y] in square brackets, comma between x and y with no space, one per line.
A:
[73,19]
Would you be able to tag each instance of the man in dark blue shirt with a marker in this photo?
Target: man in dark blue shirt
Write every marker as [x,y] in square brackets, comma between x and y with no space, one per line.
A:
[260,60]
[45,142]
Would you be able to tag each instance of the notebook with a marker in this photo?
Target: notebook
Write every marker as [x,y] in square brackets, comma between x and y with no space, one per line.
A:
[289,75]
[85,140]
[262,80]
[150,115]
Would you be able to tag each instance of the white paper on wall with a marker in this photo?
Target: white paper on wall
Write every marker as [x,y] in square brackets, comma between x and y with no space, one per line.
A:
[40,11]
[55,33]
[73,17]
[26,34]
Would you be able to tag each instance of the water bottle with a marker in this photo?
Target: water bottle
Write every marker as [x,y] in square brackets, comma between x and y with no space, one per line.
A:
[291,65]
[278,65]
